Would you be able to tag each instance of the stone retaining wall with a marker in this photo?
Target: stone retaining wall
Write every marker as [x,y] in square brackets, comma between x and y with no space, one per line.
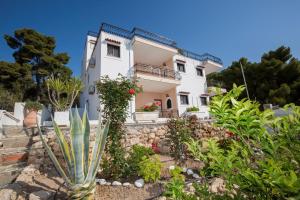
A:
[142,134]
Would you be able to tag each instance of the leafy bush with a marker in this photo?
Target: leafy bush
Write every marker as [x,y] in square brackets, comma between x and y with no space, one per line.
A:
[263,156]
[192,109]
[178,133]
[33,105]
[7,100]
[136,155]
[150,168]
[115,95]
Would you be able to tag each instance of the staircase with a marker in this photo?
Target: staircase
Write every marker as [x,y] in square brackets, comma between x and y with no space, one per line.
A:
[15,143]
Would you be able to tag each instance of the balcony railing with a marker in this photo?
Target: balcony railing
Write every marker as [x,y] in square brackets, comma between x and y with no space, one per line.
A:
[156,71]
[156,38]
[203,57]
[137,32]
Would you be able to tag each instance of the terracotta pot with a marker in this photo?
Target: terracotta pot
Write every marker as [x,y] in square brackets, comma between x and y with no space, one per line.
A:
[30,118]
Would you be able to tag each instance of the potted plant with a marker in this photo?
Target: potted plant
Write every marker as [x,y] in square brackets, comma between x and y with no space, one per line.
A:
[149,112]
[31,108]
[192,109]
[62,95]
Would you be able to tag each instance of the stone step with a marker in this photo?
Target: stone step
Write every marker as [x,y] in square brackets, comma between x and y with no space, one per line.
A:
[16,141]
[11,132]
[9,173]
[13,158]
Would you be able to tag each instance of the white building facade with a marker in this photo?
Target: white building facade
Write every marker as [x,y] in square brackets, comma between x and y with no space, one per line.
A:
[168,74]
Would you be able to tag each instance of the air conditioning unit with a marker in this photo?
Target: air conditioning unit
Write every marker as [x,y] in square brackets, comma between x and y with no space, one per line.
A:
[91,89]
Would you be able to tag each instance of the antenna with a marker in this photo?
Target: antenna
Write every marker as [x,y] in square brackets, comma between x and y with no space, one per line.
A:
[244,80]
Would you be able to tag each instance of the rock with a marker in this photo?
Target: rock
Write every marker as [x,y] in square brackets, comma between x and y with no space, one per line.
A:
[40,195]
[8,194]
[101,181]
[126,184]
[172,167]
[162,198]
[139,183]
[189,171]
[196,176]
[217,186]
[37,145]
[116,183]
[108,183]
[184,169]
[1,144]
[152,135]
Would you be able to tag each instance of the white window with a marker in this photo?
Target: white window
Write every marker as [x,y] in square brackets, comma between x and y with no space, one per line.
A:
[184,99]
[203,101]
[113,50]
[181,67]
[199,71]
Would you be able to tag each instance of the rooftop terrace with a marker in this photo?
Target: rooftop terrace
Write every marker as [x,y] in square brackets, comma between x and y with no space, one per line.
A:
[156,38]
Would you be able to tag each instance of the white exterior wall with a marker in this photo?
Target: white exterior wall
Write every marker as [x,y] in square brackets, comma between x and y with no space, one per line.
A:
[107,65]
[191,83]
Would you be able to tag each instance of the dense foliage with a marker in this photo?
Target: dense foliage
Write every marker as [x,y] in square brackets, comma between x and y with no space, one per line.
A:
[178,133]
[114,98]
[35,61]
[192,109]
[150,168]
[136,155]
[33,105]
[275,79]
[262,155]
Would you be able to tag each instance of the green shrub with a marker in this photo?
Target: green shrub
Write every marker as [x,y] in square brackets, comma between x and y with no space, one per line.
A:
[115,95]
[263,162]
[178,133]
[136,155]
[192,109]
[33,105]
[150,168]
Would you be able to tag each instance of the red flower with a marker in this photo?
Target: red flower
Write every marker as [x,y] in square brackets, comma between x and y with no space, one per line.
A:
[146,106]
[229,133]
[131,91]
[158,103]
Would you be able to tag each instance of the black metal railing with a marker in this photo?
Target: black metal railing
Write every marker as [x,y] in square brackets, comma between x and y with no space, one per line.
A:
[203,57]
[156,71]
[156,38]
[92,33]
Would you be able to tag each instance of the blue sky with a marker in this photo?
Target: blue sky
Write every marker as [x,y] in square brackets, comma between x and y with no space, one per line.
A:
[228,29]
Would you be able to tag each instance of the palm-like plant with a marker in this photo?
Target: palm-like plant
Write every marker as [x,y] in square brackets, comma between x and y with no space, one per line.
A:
[81,169]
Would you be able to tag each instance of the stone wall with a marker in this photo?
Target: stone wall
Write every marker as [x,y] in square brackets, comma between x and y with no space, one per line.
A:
[142,134]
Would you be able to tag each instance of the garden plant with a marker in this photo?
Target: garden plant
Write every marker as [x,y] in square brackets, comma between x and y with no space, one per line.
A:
[260,159]
[81,168]
[114,98]
[62,94]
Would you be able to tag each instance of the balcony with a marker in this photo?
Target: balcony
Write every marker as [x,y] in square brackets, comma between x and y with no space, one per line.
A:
[156,78]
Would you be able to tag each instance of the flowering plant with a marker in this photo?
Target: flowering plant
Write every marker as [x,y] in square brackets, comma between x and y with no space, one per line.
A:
[150,108]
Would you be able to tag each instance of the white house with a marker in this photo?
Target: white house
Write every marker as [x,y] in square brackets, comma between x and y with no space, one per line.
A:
[168,73]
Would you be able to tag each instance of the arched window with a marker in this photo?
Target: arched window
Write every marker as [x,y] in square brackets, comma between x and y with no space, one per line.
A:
[169,104]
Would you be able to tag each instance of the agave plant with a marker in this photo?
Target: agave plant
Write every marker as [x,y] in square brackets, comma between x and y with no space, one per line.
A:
[80,172]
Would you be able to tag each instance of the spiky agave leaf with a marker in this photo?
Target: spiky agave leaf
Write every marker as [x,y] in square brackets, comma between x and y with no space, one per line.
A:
[86,140]
[64,146]
[54,159]
[98,148]
[77,147]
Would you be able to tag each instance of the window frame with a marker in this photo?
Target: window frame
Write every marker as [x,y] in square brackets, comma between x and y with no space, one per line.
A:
[202,72]
[206,101]
[181,100]
[178,68]
[114,47]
